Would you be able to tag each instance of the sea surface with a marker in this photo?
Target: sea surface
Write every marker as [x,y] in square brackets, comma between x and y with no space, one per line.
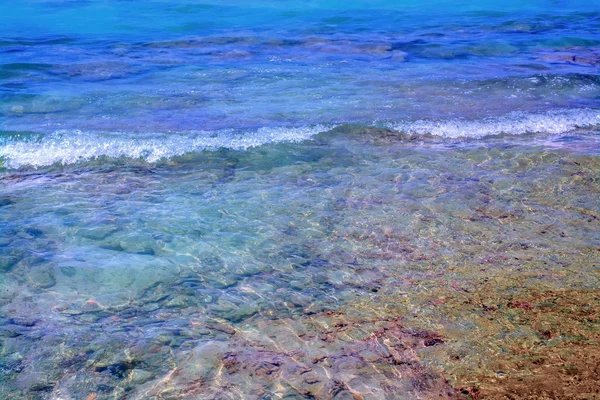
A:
[299,199]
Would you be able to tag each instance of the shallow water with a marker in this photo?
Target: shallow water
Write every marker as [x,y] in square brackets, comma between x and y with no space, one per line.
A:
[369,200]
[233,273]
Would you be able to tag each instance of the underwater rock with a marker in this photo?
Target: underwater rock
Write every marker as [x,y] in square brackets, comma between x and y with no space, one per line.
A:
[221,327]
[587,57]
[42,385]
[137,244]
[8,262]
[68,271]
[97,71]
[149,307]
[257,363]
[117,364]
[178,302]
[42,278]
[221,281]
[97,233]
[164,339]
[344,366]
[33,232]
[11,367]
[299,300]
[10,333]
[5,241]
[26,321]
[139,376]
[5,201]
[204,359]
[233,312]
[211,261]
[298,285]
[29,233]
[378,135]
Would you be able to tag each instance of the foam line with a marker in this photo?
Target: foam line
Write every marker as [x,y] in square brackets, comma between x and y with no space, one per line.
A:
[516,123]
[68,147]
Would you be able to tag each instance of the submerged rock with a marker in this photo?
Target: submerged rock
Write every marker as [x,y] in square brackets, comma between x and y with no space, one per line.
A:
[42,278]
[287,358]
[117,364]
[139,376]
[68,271]
[8,262]
[219,281]
[138,244]
[5,201]
[178,302]
[10,367]
[98,232]
[587,57]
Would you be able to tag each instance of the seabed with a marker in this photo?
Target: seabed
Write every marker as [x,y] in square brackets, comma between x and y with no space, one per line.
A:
[357,265]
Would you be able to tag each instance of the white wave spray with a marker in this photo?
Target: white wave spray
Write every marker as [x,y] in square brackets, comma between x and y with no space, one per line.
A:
[68,147]
[515,123]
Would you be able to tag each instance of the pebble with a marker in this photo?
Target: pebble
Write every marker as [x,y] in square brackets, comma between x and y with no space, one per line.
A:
[68,271]
[300,300]
[140,376]
[298,285]
[5,201]
[204,359]
[137,244]
[574,56]
[149,307]
[7,263]
[89,318]
[106,359]
[222,281]
[369,356]
[97,232]
[210,261]
[178,302]
[42,278]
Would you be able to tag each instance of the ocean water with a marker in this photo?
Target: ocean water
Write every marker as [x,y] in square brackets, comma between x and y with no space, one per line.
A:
[291,200]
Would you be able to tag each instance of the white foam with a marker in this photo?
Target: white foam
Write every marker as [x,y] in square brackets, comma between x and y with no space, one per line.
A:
[68,147]
[515,123]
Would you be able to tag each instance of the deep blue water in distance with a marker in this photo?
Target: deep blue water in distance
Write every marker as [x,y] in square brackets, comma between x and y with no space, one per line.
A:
[164,67]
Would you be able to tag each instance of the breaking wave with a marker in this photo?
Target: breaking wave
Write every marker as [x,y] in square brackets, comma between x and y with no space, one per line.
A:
[516,123]
[68,147]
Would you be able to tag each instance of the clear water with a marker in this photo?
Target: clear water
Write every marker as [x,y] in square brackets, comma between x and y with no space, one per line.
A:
[255,201]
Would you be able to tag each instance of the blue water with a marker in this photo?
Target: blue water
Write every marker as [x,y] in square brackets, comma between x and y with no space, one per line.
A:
[183,67]
[240,200]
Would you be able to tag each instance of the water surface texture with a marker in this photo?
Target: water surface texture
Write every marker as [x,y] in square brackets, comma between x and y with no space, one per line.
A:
[299,200]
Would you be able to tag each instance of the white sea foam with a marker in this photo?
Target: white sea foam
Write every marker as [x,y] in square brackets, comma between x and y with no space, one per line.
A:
[516,123]
[67,147]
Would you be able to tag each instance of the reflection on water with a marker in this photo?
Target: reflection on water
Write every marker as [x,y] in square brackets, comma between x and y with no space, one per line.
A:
[292,199]
[354,265]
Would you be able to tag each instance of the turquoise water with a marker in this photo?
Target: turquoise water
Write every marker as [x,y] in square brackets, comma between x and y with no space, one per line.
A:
[183,67]
[262,201]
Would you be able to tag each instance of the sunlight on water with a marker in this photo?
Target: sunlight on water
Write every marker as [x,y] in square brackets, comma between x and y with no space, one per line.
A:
[299,200]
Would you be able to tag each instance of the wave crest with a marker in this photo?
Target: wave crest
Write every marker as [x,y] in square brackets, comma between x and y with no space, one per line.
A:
[68,147]
[516,123]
